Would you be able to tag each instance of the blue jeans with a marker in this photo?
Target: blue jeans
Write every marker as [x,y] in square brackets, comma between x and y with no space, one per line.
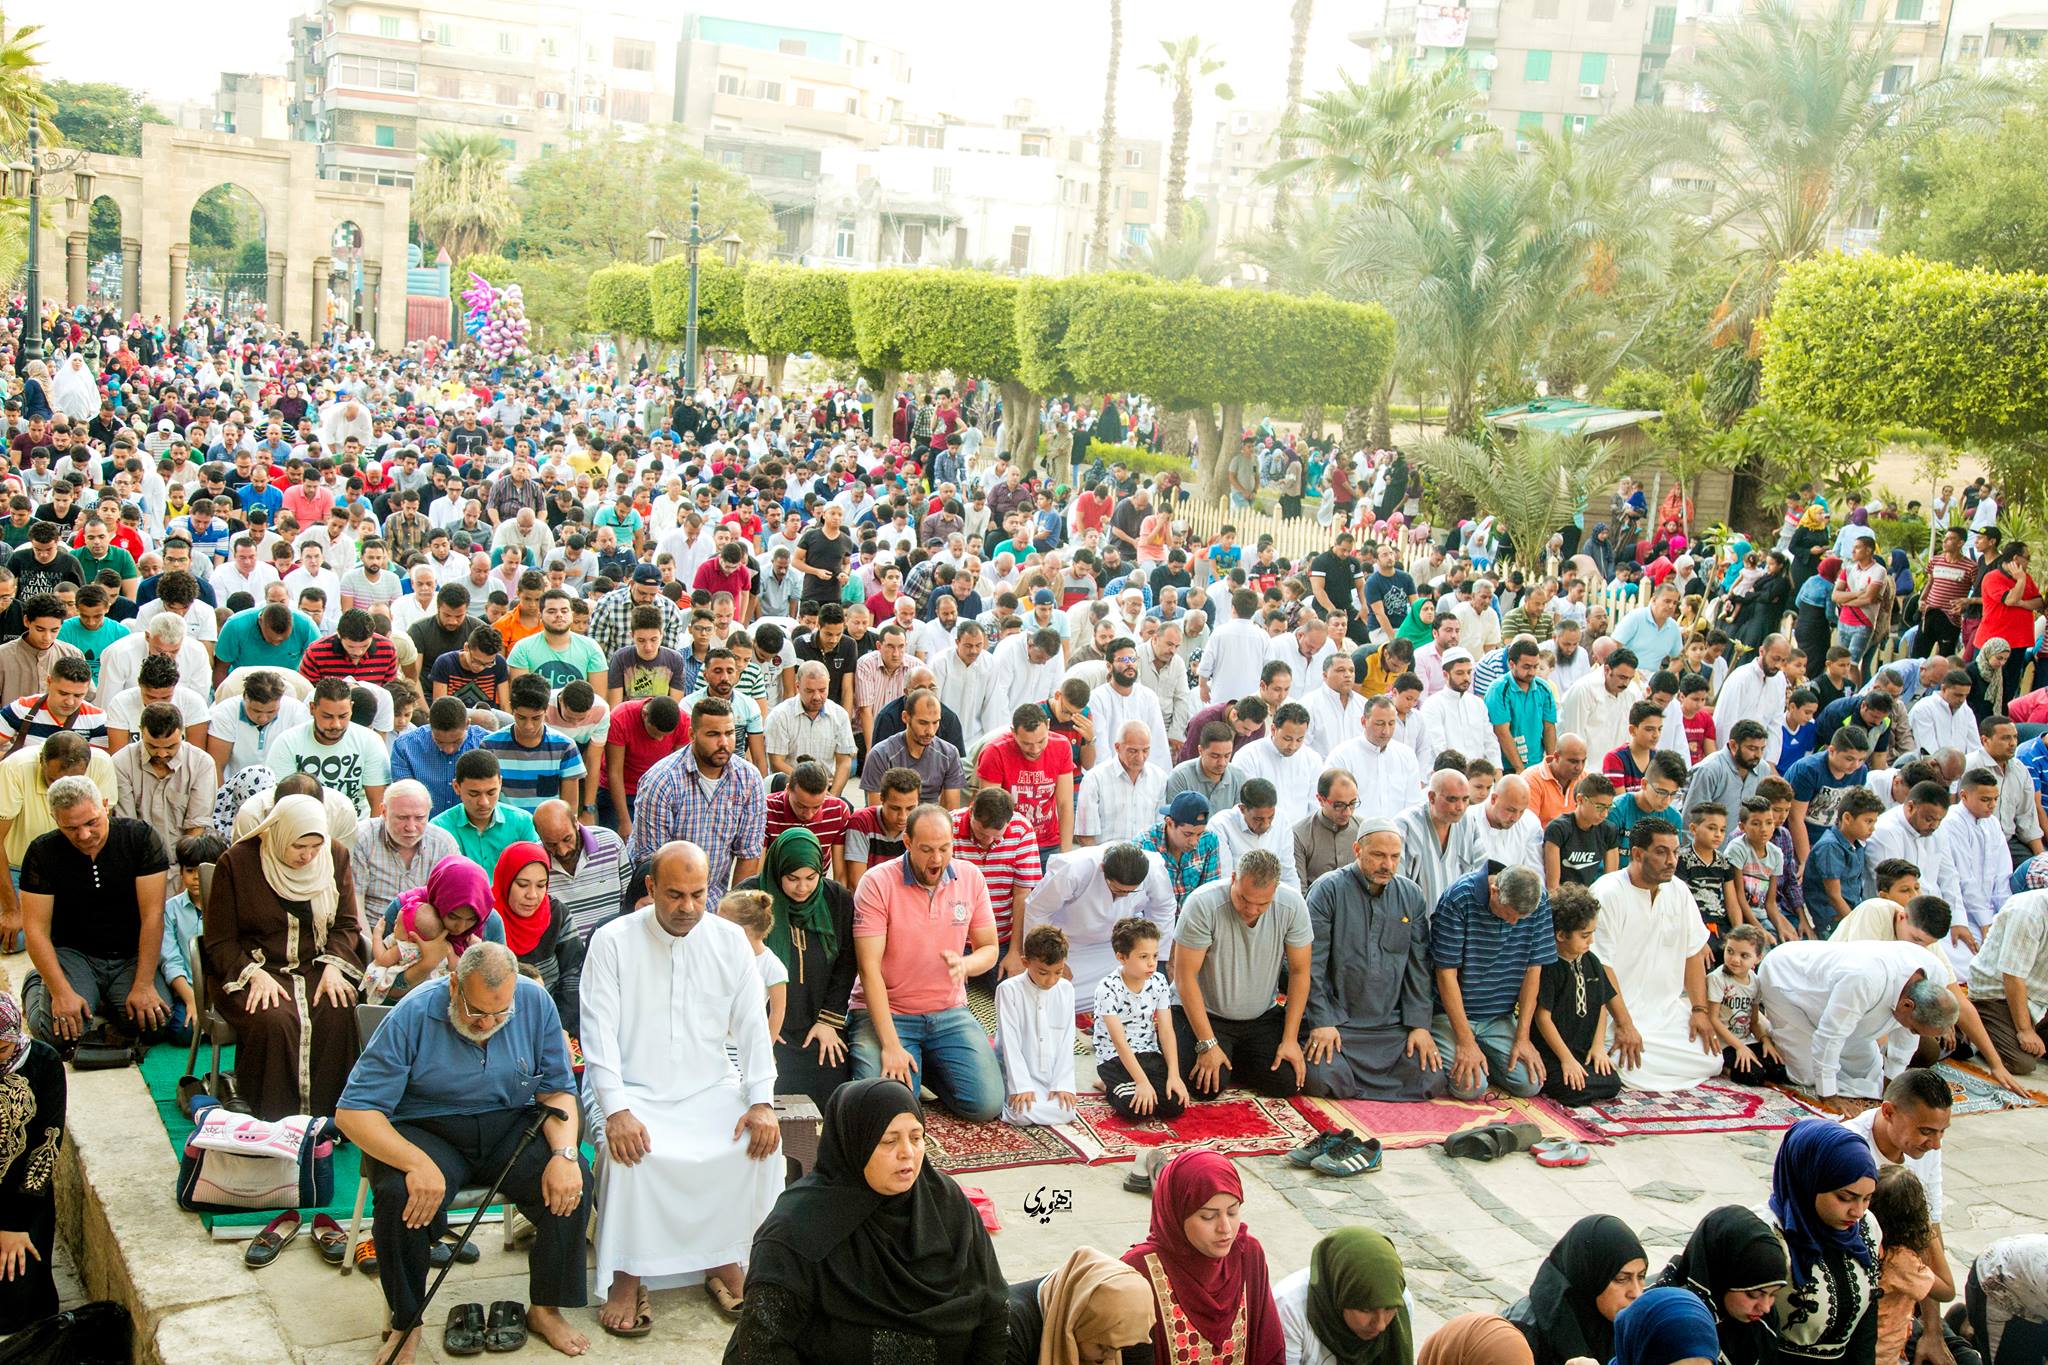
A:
[949,1052]
[1496,1038]
[1854,639]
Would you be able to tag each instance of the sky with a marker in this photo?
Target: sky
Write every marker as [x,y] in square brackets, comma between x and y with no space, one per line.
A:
[958,65]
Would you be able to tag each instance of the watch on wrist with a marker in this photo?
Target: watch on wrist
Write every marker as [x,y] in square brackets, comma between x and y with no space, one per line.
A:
[568,1154]
[1203,1045]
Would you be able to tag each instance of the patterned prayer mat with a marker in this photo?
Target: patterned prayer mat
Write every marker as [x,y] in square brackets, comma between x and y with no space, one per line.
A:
[1710,1107]
[1238,1124]
[982,1002]
[1976,1093]
[958,1147]
[1427,1124]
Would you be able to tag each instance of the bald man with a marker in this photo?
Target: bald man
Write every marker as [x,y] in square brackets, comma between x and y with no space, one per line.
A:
[1552,780]
[1505,829]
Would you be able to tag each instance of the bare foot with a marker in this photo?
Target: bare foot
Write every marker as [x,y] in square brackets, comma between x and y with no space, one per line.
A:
[732,1277]
[620,1309]
[555,1330]
[405,1352]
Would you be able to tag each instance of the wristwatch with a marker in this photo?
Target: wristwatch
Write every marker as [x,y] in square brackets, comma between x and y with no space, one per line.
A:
[568,1154]
[1202,1045]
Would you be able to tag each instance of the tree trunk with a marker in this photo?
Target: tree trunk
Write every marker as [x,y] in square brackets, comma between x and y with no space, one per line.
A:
[1173,433]
[1177,157]
[1297,55]
[1383,416]
[1020,410]
[1208,454]
[1358,428]
[1105,165]
[1312,422]
[881,422]
[777,363]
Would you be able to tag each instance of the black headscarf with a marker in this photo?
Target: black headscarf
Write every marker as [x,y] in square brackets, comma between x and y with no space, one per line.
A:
[917,1262]
[1733,1249]
[1561,1318]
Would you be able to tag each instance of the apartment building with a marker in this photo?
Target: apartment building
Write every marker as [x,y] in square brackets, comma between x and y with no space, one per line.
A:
[252,104]
[1225,173]
[808,86]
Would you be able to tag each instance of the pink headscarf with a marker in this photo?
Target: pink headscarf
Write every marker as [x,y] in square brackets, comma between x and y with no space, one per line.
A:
[454,884]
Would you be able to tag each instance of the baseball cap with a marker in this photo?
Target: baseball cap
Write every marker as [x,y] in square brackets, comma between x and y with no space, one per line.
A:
[1042,597]
[646,573]
[1188,808]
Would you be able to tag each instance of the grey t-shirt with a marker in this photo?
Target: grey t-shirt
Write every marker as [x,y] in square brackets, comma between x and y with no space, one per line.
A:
[1245,966]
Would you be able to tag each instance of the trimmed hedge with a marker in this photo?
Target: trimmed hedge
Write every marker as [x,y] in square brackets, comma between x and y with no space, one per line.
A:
[912,321]
[620,301]
[791,310]
[721,307]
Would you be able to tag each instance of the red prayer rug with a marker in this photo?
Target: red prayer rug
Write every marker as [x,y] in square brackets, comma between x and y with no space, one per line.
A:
[1399,1126]
[958,1147]
[1710,1107]
[1238,1124]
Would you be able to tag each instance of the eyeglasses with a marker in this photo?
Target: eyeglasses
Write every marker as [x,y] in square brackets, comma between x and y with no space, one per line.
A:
[1666,792]
[1341,805]
[484,1016]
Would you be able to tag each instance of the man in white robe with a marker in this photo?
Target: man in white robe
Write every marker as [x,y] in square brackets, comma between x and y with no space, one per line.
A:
[1085,893]
[1650,934]
[684,1141]
[1847,1015]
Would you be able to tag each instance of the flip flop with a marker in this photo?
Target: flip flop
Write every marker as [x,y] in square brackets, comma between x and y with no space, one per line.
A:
[329,1238]
[464,1333]
[722,1298]
[1480,1144]
[273,1239]
[643,1318]
[505,1329]
[1560,1152]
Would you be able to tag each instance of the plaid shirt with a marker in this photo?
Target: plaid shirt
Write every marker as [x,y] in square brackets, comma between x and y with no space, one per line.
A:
[1188,870]
[611,622]
[729,823]
[381,872]
[406,534]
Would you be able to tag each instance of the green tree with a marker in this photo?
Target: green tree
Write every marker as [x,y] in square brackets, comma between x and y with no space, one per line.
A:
[461,197]
[620,303]
[1186,66]
[791,310]
[721,303]
[1302,16]
[1374,137]
[1532,481]
[593,201]
[1105,152]
[1974,197]
[99,116]
[21,83]
[920,321]
[1187,253]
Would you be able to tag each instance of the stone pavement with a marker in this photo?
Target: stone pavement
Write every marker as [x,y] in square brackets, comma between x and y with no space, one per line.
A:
[1471,1234]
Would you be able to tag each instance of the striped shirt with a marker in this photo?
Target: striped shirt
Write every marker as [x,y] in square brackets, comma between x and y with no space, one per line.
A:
[1008,866]
[1490,955]
[594,892]
[30,714]
[328,658]
[533,775]
[727,819]
[828,823]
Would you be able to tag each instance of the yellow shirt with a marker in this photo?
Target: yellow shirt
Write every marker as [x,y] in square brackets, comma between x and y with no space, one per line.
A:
[24,797]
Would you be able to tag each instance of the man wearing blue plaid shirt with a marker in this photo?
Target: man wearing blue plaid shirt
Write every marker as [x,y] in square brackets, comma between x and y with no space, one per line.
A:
[700,795]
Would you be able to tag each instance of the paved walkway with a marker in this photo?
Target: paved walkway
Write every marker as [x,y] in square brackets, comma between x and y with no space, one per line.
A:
[1470,1234]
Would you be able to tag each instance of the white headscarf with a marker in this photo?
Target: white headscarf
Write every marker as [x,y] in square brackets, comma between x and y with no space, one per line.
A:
[289,821]
[73,391]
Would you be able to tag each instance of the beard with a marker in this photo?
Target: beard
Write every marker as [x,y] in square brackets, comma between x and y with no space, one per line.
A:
[470,1032]
[1124,677]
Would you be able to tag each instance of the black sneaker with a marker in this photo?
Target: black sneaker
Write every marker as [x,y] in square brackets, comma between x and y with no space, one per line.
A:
[1305,1155]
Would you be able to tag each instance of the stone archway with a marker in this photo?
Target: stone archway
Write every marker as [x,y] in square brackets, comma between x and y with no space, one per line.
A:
[107,272]
[346,287]
[228,266]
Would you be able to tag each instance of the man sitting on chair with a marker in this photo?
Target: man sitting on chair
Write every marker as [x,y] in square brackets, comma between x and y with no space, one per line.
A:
[440,1098]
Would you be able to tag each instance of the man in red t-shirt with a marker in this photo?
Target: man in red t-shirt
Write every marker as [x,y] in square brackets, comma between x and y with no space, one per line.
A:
[1038,774]
[642,733]
[727,573]
[806,804]
[1092,508]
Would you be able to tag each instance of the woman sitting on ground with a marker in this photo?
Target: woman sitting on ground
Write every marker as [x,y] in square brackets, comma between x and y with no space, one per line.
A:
[1476,1339]
[1349,1305]
[31,1130]
[1212,1299]
[875,1256]
[813,935]
[1736,1265]
[1666,1327]
[2007,1301]
[1595,1270]
[1820,1204]
[1084,1313]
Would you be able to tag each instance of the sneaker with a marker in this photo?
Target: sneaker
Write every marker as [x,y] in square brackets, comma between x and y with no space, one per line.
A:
[1305,1155]
[1350,1155]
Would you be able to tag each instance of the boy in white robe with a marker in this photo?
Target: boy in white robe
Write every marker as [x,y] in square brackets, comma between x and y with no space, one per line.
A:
[1035,1034]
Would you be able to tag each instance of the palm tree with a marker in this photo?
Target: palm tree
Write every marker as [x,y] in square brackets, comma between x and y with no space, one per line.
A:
[1098,245]
[1789,120]
[1297,57]
[1188,255]
[1532,481]
[1377,135]
[1297,257]
[461,198]
[1187,64]
[21,87]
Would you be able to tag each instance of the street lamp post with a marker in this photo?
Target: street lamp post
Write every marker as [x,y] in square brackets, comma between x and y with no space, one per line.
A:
[690,326]
[25,181]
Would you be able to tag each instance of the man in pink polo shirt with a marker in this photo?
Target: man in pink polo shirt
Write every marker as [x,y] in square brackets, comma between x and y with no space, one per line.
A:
[922,925]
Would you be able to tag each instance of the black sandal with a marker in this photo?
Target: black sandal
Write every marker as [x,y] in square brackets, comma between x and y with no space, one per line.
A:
[506,1329]
[464,1334]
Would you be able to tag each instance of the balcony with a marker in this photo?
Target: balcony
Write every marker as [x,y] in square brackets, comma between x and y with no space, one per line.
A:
[1399,25]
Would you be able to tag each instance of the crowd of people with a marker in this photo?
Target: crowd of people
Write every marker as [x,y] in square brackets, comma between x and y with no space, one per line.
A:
[541,704]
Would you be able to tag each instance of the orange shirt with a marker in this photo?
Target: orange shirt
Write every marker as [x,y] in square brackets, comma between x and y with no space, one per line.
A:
[512,630]
[1547,797]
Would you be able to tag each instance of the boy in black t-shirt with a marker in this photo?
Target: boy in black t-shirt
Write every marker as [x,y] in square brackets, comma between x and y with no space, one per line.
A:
[1715,881]
[1580,846]
[1573,997]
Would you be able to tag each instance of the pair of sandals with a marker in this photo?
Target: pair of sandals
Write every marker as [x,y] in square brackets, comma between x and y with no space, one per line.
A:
[266,1246]
[471,1331]
[1338,1154]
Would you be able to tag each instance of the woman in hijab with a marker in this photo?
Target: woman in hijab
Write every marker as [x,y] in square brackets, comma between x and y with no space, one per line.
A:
[461,895]
[35,391]
[875,1256]
[1820,1204]
[1987,674]
[74,392]
[2007,1301]
[1349,1306]
[1763,608]
[1085,1313]
[533,926]
[1594,1272]
[1601,550]
[1736,1265]
[1809,543]
[1476,1339]
[32,1095]
[1212,1300]
[813,935]
[1666,1327]
[285,952]
[1813,627]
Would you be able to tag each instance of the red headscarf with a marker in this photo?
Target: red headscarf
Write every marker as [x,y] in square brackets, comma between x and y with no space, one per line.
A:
[1208,1292]
[522,932]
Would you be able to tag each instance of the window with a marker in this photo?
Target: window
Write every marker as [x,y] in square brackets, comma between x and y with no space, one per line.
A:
[1073,149]
[728,84]
[1020,249]
[729,156]
[1134,158]
[842,239]
[1036,144]
[549,48]
[771,91]
[632,54]
[506,42]
[632,106]
[387,136]
[1578,123]
[1527,125]
[372,73]
[806,98]
[913,243]
[1909,11]
[1896,79]
[444,34]
[593,104]
[1600,11]
[853,104]
[1592,68]
[445,87]
[924,137]
[1140,200]
[1864,219]
[1136,234]
[508,146]
[506,94]
[1972,47]
[1546,9]
[550,99]
[942,179]
[1663,24]
[1536,66]
[387,26]
[959,246]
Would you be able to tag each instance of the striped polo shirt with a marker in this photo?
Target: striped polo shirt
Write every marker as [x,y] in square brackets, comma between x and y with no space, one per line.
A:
[30,714]
[1011,864]
[1490,955]
[533,775]
[592,894]
[829,824]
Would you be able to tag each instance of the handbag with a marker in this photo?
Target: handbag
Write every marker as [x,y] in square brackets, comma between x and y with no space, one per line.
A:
[234,1163]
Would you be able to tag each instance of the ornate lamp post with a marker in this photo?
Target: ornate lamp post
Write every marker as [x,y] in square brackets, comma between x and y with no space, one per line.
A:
[690,326]
[24,181]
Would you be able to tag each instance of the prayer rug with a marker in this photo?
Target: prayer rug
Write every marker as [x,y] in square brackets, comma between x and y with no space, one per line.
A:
[1976,1093]
[958,1147]
[981,1002]
[1427,1124]
[1710,1107]
[1239,1124]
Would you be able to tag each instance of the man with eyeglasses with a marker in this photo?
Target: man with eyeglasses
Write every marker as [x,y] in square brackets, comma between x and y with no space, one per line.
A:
[439,1098]
[1323,842]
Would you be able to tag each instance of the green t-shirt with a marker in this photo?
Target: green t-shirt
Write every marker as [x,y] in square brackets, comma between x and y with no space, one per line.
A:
[116,558]
[241,643]
[574,663]
[92,643]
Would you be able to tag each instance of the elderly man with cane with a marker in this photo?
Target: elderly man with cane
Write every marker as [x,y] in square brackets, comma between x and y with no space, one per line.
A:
[447,1092]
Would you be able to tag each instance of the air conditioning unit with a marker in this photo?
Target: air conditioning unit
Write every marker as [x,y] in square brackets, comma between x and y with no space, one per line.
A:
[1589,91]
[509,120]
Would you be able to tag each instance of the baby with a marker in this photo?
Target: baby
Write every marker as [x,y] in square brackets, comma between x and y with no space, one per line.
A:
[418,938]
[1746,579]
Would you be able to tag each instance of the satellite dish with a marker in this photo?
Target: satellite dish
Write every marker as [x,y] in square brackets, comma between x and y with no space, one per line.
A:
[1488,61]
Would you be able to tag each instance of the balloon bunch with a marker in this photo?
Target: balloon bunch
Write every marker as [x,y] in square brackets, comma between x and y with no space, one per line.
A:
[496,320]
